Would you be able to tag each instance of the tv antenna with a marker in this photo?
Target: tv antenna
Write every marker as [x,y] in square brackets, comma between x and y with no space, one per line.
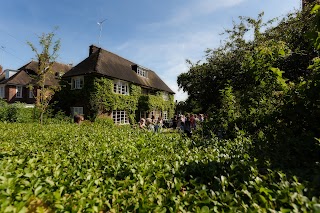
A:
[100,24]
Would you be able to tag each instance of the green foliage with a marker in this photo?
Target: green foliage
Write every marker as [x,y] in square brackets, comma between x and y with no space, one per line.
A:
[46,58]
[102,100]
[107,122]
[156,102]
[267,89]
[98,168]
[16,112]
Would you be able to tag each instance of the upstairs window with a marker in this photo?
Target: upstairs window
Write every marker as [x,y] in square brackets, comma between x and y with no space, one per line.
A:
[1,91]
[121,87]
[19,92]
[142,72]
[165,96]
[77,82]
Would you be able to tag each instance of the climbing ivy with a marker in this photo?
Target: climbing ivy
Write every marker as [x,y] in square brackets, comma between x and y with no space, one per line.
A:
[102,100]
[156,102]
[97,98]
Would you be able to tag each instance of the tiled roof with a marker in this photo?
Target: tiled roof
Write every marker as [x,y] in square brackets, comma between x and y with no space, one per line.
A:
[23,77]
[20,78]
[57,68]
[111,65]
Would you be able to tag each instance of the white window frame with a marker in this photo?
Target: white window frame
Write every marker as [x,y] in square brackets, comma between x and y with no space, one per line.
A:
[77,111]
[142,72]
[165,115]
[2,91]
[120,117]
[77,82]
[31,95]
[121,87]
[165,96]
[19,91]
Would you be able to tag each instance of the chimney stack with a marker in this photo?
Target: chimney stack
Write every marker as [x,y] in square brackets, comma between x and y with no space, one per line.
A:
[93,49]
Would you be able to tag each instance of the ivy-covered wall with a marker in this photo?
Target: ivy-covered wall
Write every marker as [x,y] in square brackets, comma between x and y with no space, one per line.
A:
[156,102]
[103,99]
[67,98]
[97,98]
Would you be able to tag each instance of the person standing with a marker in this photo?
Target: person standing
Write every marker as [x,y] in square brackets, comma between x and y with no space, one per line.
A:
[174,122]
[142,123]
[187,126]
[158,125]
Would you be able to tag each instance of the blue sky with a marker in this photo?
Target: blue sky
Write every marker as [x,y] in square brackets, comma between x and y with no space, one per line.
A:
[159,35]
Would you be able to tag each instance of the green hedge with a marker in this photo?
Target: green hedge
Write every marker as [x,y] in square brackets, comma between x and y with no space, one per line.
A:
[101,168]
[16,112]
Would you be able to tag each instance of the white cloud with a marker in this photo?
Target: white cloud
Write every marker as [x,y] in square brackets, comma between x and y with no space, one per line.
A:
[199,8]
[167,55]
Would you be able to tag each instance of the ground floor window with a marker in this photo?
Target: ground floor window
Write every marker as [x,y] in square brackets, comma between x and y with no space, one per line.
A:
[120,117]
[77,111]
[164,115]
[143,114]
[1,91]
[155,113]
[31,95]
[18,91]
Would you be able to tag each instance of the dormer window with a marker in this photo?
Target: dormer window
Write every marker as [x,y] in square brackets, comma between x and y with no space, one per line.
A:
[121,87]
[77,82]
[142,72]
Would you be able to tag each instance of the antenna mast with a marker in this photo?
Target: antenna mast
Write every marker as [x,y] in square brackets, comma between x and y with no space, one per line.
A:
[100,24]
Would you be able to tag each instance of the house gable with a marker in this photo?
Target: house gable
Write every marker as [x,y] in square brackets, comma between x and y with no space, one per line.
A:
[15,87]
[105,63]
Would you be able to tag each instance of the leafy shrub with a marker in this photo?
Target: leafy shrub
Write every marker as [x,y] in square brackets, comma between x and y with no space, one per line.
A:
[91,168]
[16,112]
[104,121]
[57,118]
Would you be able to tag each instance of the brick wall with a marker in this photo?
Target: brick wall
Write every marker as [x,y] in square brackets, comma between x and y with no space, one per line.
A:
[10,95]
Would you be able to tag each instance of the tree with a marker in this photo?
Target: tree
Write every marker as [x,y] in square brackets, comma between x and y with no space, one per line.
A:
[46,57]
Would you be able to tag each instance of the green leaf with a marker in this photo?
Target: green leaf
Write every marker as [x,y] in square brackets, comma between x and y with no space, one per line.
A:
[205,209]
[38,190]
[50,182]
[315,9]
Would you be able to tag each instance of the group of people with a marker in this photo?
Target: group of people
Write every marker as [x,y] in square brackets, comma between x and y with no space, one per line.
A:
[187,123]
[151,124]
[183,123]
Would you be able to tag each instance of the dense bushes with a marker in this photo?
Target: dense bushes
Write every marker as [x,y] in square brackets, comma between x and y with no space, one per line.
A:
[16,112]
[267,89]
[98,168]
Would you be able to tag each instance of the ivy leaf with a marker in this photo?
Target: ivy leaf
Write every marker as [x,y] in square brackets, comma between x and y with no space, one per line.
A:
[37,190]
[205,209]
[315,9]
[51,183]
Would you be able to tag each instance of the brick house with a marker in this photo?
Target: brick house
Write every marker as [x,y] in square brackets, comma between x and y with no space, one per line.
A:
[14,83]
[123,74]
